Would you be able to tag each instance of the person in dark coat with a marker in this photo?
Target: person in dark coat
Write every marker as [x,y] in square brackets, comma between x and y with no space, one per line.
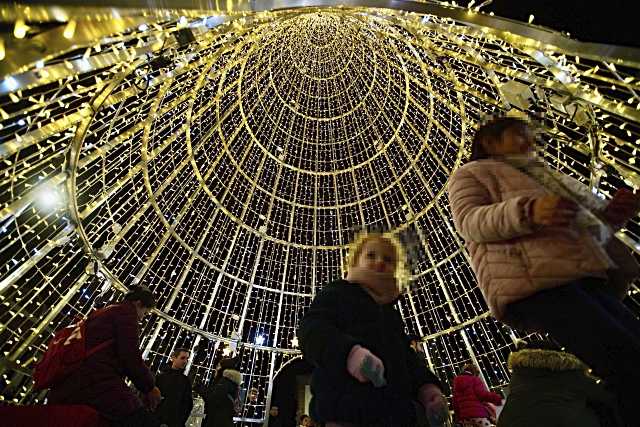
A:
[470,399]
[220,400]
[553,388]
[275,420]
[175,386]
[365,372]
[226,363]
[99,381]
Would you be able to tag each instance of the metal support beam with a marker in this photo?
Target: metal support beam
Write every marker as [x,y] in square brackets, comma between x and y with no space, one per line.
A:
[177,288]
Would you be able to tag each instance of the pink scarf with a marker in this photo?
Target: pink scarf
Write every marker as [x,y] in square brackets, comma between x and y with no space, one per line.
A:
[382,287]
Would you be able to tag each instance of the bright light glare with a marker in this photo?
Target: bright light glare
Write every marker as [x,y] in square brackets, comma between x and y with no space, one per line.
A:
[11,83]
[49,197]
[69,29]
[20,29]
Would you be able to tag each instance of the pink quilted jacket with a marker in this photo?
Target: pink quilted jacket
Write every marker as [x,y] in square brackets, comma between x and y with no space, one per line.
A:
[469,397]
[512,259]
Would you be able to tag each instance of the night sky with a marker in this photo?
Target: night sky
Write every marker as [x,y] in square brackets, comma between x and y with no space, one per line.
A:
[610,22]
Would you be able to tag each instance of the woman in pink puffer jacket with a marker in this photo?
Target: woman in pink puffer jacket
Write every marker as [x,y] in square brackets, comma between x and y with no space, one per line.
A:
[542,250]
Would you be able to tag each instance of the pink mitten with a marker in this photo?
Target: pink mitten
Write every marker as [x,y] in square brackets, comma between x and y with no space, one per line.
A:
[365,366]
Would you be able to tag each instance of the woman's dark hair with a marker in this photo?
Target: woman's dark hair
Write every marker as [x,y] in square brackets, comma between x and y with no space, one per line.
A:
[142,294]
[492,130]
[470,368]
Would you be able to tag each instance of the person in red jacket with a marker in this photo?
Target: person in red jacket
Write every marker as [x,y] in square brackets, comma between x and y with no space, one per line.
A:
[470,398]
[99,381]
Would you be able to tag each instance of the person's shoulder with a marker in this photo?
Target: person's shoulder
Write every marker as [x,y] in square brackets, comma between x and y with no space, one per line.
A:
[462,378]
[335,287]
[336,294]
[186,378]
[477,170]
[118,308]
[340,289]
[123,310]
[476,166]
[111,312]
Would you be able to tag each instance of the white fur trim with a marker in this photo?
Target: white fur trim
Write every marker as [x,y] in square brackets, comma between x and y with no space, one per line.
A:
[233,375]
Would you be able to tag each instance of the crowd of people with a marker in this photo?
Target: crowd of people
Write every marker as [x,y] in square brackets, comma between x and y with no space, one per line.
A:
[546,259]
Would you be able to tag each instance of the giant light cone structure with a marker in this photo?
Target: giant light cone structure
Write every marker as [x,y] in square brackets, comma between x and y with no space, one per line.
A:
[228,171]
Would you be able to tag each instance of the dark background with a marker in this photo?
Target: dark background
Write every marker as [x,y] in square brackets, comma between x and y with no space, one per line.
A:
[608,21]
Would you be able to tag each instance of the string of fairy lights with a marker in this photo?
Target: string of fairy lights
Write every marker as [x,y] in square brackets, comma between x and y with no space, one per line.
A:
[227,168]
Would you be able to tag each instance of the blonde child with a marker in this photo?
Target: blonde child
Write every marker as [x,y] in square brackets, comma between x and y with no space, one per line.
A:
[366,374]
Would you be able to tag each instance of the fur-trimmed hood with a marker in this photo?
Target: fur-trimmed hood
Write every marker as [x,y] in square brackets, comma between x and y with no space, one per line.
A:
[233,375]
[546,359]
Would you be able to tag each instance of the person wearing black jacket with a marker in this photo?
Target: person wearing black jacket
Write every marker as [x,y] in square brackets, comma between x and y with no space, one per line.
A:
[551,387]
[224,364]
[177,403]
[220,399]
[365,372]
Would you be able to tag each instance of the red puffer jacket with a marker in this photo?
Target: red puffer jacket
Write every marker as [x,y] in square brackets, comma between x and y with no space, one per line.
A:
[469,397]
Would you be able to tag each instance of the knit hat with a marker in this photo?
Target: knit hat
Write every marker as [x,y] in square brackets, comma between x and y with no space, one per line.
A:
[233,375]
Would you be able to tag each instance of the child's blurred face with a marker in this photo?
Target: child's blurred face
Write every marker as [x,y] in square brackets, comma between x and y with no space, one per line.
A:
[514,140]
[378,255]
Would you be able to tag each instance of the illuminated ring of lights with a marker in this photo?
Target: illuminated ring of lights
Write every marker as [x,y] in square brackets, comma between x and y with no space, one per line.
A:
[464,122]
[145,173]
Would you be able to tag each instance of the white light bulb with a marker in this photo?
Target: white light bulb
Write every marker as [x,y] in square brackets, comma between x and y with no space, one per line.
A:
[11,84]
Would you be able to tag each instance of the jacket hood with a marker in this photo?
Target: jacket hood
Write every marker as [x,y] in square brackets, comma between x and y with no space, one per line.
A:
[233,375]
[546,359]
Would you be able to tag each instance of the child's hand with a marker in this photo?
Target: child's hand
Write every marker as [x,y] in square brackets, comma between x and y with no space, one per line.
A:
[435,404]
[153,398]
[365,366]
[553,210]
[622,207]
